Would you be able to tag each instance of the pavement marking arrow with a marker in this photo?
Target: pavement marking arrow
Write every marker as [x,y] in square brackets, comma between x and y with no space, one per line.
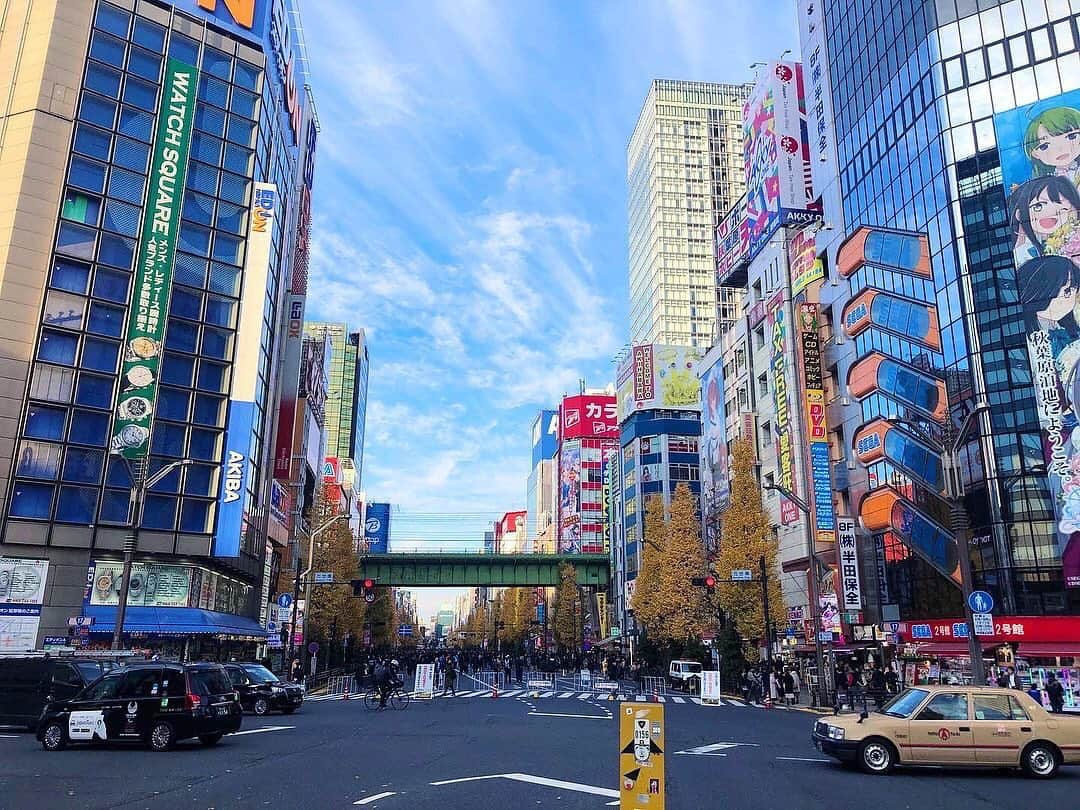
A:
[715,749]
[259,730]
[537,780]
[369,799]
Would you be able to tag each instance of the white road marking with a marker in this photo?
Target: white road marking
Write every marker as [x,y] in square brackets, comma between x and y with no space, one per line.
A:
[566,694]
[803,759]
[476,693]
[259,730]
[9,736]
[547,694]
[715,749]
[582,716]
[697,701]
[639,698]
[661,699]
[679,699]
[538,780]
[376,797]
[511,693]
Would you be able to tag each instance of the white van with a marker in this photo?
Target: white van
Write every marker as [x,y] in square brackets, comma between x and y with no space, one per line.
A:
[685,675]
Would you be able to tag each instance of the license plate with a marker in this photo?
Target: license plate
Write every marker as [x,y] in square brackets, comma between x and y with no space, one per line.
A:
[222,709]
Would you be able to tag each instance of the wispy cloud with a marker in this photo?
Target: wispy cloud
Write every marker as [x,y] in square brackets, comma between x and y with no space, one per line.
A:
[470,211]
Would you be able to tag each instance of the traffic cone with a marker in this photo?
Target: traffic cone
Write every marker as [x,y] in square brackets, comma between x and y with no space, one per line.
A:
[494,691]
[768,701]
[345,696]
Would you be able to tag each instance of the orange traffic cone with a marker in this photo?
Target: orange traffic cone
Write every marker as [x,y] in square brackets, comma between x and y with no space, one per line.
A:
[494,691]
[345,696]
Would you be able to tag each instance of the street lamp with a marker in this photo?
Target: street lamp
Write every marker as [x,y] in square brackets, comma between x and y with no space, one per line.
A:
[949,450]
[140,483]
[811,555]
[306,578]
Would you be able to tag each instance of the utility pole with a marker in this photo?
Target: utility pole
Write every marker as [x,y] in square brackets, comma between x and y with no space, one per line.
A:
[764,570]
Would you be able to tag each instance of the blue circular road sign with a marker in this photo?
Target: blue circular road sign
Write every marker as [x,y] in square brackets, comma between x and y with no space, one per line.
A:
[980,602]
[284,600]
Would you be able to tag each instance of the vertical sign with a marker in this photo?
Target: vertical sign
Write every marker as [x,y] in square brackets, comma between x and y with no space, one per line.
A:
[236,463]
[847,547]
[154,263]
[785,453]
[819,109]
[641,756]
[816,428]
[643,372]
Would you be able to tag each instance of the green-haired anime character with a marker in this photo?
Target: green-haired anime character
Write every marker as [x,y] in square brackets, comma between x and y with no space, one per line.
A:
[1052,141]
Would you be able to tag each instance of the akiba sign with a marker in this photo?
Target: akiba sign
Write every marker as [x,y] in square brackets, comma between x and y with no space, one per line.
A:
[234,480]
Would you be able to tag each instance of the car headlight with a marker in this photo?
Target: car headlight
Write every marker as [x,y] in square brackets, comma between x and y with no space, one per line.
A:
[836,733]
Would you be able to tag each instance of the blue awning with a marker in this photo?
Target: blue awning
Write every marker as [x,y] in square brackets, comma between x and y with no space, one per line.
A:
[173,621]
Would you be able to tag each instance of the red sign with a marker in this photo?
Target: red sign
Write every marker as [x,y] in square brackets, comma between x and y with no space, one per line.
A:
[589,416]
[1006,628]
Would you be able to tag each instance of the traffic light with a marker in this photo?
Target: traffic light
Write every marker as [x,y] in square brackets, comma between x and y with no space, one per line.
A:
[708,583]
[362,587]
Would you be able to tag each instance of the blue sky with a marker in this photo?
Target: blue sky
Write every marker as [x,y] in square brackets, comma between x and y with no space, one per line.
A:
[470,214]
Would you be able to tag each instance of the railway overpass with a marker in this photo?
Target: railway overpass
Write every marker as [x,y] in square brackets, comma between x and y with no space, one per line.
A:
[421,569]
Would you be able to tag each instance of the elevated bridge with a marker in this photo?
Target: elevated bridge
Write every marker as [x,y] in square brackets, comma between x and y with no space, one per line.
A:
[480,570]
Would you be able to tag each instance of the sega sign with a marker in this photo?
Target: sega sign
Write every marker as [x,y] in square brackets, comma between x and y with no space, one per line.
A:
[244,18]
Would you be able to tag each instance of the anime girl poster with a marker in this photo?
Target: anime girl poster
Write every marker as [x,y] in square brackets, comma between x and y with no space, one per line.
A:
[1039,147]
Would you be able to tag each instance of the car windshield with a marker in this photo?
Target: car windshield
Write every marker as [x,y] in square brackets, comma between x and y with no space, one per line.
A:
[904,704]
[260,674]
[692,667]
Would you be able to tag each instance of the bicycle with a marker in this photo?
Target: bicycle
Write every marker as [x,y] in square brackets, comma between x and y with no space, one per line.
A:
[397,699]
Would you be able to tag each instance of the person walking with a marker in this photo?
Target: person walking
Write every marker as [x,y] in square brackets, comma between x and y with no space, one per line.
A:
[451,678]
[1056,693]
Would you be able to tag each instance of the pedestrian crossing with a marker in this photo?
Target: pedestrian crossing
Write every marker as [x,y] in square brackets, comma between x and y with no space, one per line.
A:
[505,694]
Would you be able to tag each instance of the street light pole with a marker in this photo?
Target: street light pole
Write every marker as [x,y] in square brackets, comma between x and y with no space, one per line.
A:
[812,585]
[306,579]
[949,449]
[140,483]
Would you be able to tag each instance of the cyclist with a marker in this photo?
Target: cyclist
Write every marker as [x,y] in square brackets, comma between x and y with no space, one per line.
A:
[383,682]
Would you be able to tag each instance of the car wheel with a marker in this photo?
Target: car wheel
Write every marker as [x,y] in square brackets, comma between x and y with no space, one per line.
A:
[54,738]
[1040,760]
[261,707]
[876,756]
[162,736]
[210,739]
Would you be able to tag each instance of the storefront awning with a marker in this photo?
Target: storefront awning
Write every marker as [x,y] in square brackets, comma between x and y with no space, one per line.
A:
[1048,649]
[174,622]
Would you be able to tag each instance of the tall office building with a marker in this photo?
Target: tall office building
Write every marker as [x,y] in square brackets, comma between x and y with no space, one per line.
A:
[154,155]
[346,400]
[684,170]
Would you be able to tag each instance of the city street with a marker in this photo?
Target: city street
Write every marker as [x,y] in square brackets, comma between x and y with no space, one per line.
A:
[478,753]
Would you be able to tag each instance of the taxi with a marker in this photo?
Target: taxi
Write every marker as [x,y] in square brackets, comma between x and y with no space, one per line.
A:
[953,725]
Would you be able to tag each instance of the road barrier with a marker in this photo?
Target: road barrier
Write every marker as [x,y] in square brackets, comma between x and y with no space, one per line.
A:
[340,685]
[655,685]
[491,679]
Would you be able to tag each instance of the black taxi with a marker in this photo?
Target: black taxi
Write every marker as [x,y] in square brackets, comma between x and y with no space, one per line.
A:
[154,702]
[262,691]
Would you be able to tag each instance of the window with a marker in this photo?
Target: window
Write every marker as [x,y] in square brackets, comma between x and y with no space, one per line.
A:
[105,320]
[173,404]
[682,444]
[993,707]
[65,675]
[117,251]
[76,504]
[94,391]
[63,310]
[100,355]
[149,35]
[105,689]
[52,383]
[31,500]
[92,142]
[86,174]
[141,682]
[83,466]
[139,93]
[160,512]
[45,423]
[763,385]
[145,64]
[684,472]
[97,110]
[38,460]
[195,516]
[57,347]
[111,285]
[945,706]
[136,124]
[89,427]
[70,276]
[76,241]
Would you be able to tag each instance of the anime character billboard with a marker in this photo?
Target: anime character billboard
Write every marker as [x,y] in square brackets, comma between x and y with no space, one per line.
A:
[1039,145]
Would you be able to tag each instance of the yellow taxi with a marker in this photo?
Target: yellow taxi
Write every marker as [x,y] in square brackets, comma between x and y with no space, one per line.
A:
[953,725]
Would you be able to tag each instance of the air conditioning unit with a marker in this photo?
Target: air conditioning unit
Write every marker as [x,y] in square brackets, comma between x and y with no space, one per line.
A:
[840,340]
[851,465]
[845,401]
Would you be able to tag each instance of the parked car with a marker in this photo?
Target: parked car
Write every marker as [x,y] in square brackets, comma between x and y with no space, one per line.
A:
[152,702]
[954,725]
[261,691]
[29,681]
[685,675]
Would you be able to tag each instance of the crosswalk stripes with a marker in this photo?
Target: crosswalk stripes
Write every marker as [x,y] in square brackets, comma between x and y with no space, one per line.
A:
[679,700]
[582,696]
[566,694]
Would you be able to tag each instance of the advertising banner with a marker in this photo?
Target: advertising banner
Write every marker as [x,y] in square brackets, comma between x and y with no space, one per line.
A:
[816,427]
[377,528]
[151,585]
[715,482]
[22,593]
[281,504]
[663,377]
[848,550]
[776,156]
[785,451]
[818,87]
[1040,170]
[155,254]
[588,416]
[806,267]
[830,613]
[425,681]
[545,436]
[730,247]
[570,497]
[233,505]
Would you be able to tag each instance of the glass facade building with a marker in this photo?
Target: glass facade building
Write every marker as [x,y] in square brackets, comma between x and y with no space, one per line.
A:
[947,112]
[684,171]
[67,499]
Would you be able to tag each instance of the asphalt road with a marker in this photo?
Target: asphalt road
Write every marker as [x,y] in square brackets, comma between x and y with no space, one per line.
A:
[533,752]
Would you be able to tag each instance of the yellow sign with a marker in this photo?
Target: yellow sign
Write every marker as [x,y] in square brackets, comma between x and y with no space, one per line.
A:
[641,756]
